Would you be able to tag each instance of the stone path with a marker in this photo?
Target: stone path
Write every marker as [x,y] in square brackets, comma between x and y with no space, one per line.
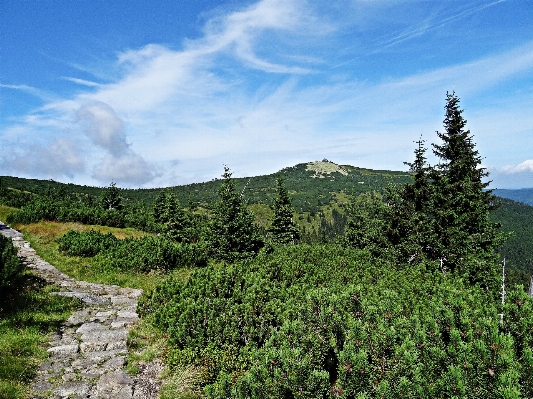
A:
[86,357]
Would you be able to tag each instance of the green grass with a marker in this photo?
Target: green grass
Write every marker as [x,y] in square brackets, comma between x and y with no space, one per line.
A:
[28,313]
[4,211]
[43,235]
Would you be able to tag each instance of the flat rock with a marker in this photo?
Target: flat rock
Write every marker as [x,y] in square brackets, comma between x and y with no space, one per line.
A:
[63,351]
[86,298]
[73,388]
[105,335]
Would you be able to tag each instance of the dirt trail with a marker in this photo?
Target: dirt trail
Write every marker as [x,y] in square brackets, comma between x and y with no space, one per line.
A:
[86,357]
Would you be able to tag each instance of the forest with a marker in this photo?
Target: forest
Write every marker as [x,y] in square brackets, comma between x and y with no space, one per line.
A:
[320,281]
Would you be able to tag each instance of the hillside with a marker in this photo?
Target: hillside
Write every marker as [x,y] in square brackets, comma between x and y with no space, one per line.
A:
[310,184]
[318,192]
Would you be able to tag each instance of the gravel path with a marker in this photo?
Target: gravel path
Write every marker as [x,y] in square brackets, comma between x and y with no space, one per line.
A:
[86,357]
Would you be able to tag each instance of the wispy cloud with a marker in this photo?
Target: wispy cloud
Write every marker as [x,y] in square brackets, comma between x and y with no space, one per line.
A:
[244,94]
[434,23]
[82,82]
[30,90]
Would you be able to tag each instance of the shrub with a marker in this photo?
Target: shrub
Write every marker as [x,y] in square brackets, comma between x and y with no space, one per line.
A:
[133,254]
[86,244]
[10,265]
[320,321]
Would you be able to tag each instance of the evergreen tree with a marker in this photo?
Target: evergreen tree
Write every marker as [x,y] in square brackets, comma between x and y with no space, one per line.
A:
[410,226]
[171,219]
[443,216]
[110,198]
[367,223]
[283,227]
[233,233]
[460,204]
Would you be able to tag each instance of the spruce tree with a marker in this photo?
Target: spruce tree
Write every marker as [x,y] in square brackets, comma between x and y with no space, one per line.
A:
[110,198]
[170,218]
[410,223]
[461,204]
[367,223]
[233,234]
[283,227]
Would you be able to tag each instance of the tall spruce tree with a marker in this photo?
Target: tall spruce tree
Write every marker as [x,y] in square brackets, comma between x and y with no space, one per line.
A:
[283,227]
[443,216]
[233,233]
[460,205]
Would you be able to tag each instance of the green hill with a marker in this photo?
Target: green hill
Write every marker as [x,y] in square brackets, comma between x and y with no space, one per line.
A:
[318,192]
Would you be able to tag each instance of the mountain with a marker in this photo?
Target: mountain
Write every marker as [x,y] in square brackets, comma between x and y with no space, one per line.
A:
[524,195]
[318,192]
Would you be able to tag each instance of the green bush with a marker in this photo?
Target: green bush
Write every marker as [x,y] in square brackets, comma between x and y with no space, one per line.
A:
[133,254]
[10,264]
[320,321]
[86,244]
[155,253]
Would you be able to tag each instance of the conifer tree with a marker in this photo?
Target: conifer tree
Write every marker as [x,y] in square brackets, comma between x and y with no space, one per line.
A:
[460,204]
[367,224]
[110,198]
[233,233]
[410,226]
[171,219]
[283,229]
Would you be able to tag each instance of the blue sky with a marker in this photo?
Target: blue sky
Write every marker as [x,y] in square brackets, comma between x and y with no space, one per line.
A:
[159,93]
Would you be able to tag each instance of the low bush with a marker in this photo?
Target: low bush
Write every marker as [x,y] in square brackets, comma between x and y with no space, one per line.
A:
[133,254]
[320,321]
[86,244]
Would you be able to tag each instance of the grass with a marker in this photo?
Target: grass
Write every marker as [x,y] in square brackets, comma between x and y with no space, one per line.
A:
[28,313]
[43,235]
[4,211]
[145,343]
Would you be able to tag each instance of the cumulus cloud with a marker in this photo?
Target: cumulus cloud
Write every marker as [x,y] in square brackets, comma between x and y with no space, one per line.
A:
[105,129]
[526,166]
[129,168]
[62,157]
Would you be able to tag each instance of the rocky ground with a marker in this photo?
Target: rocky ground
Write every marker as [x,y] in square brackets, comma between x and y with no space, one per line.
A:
[87,356]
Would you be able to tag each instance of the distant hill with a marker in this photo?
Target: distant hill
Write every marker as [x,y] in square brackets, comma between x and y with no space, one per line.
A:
[311,186]
[319,191]
[524,195]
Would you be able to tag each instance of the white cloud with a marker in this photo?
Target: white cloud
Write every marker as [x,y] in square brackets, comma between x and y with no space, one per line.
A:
[82,82]
[243,94]
[62,157]
[104,127]
[106,130]
[526,166]
[127,168]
